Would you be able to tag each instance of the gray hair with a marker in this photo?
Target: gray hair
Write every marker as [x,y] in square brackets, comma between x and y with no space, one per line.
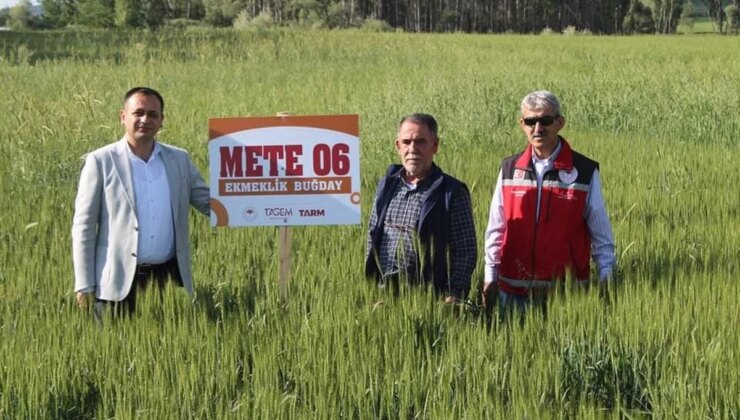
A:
[540,100]
[421,119]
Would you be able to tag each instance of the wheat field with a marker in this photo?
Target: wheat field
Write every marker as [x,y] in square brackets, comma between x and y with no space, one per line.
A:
[658,113]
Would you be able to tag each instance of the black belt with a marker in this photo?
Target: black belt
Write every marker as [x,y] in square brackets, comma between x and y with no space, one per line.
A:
[149,268]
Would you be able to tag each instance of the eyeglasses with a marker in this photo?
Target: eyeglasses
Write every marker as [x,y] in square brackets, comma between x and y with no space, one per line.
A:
[544,121]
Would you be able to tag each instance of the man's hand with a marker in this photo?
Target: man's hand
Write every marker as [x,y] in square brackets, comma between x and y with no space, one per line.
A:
[84,299]
[452,305]
[449,300]
[490,294]
[607,290]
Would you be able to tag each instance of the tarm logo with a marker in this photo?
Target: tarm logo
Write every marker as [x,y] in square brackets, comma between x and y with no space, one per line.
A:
[312,213]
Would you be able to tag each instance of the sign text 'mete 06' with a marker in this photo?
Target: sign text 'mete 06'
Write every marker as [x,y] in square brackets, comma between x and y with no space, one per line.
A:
[284,171]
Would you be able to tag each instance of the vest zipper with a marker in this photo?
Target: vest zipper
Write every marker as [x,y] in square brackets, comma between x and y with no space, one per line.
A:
[549,200]
[538,205]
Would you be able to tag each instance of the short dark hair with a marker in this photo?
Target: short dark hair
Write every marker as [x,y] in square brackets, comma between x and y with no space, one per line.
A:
[420,118]
[144,91]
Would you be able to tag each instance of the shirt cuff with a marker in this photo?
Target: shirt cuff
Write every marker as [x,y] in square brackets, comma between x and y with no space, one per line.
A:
[490,274]
[86,290]
[605,274]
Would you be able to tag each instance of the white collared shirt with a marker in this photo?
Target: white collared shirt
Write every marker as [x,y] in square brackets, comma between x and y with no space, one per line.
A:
[153,208]
[541,166]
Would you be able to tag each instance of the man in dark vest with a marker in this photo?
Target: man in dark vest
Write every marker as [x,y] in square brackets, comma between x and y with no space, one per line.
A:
[547,215]
[421,228]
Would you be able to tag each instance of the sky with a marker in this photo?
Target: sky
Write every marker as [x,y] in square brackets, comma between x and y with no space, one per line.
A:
[11,3]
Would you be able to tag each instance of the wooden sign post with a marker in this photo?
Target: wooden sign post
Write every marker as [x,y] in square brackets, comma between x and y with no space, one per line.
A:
[285,262]
[284,246]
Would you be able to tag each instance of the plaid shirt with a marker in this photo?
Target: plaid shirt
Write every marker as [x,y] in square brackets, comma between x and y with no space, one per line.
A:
[399,248]
[397,251]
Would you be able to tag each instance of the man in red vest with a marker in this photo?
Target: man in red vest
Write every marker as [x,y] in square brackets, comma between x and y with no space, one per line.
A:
[547,215]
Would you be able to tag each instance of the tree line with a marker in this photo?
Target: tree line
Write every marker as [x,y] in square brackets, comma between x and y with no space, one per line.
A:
[478,16]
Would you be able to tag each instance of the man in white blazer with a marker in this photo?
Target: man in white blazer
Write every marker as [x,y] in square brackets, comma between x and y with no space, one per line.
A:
[131,212]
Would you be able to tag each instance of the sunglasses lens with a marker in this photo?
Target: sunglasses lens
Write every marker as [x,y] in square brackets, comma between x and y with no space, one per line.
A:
[545,121]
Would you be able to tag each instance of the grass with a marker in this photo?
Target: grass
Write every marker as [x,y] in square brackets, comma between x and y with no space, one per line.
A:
[656,112]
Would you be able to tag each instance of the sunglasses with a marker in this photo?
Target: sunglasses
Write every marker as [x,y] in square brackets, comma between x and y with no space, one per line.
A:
[544,121]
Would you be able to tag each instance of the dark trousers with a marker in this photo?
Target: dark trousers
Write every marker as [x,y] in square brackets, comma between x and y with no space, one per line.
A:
[510,305]
[146,274]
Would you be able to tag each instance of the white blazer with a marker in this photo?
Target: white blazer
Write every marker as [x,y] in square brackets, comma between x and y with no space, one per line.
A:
[105,225]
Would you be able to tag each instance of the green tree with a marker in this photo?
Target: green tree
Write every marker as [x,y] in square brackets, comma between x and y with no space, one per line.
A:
[448,21]
[129,14]
[95,13]
[639,19]
[222,12]
[338,15]
[59,13]
[732,12]
[20,16]
[186,9]
[69,12]
[716,14]
[686,21]
[155,13]
[53,13]
[306,12]
[666,14]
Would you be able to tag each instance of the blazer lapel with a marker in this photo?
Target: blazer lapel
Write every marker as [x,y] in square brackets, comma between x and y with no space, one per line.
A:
[123,170]
[173,179]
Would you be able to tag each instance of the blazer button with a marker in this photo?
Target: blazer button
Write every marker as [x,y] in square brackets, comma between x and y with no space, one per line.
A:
[133,254]
[136,228]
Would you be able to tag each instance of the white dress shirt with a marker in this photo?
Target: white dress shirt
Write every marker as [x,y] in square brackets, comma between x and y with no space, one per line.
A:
[597,220]
[153,208]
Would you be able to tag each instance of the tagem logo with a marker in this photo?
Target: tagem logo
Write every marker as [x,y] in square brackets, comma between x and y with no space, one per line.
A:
[278,212]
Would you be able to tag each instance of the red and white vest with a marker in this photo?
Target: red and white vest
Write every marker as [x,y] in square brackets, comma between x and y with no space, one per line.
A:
[537,252]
